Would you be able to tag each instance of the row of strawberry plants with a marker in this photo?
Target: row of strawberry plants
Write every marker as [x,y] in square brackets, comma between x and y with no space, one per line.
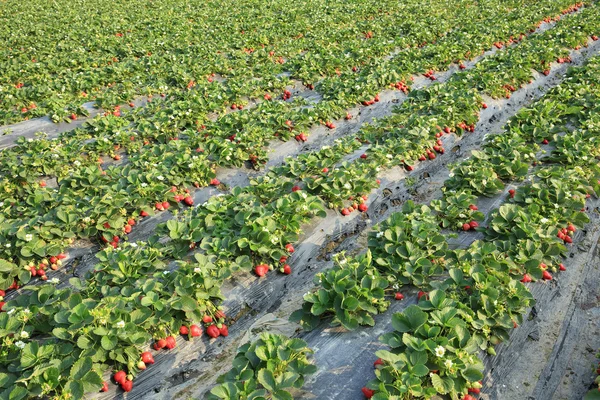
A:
[42,78]
[171,324]
[111,209]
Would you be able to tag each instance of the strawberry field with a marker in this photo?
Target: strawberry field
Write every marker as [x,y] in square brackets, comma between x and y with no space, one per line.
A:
[312,200]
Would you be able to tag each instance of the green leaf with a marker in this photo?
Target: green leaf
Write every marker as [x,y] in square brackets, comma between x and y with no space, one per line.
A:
[80,368]
[266,378]
[408,321]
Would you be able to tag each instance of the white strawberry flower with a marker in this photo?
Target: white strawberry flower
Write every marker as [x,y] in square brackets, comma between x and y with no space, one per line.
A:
[191,165]
[389,156]
[30,140]
[448,364]
[144,184]
[440,351]
[451,174]
[24,335]
[304,196]
[228,158]
[29,237]
[379,234]
[26,311]
[55,280]
[160,178]
[7,245]
[133,245]
[120,324]
[1,203]
[274,240]
[76,163]
[11,312]
[197,270]
[20,344]
[544,220]
[347,186]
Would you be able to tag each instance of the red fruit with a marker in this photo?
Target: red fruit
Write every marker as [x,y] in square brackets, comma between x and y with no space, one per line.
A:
[223,330]
[283,259]
[184,330]
[512,193]
[287,269]
[468,396]
[362,207]
[161,343]
[345,212]
[289,248]
[325,170]
[104,387]
[127,386]
[170,342]
[144,213]
[562,267]
[127,228]
[377,362]
[473,207]
[378,181]
[348,116]
[188,200]
[526,278]
[545,141]
[421,294]
[2,303]
[367,392]
[363,156]
[568,239]
[515,325]
[215,182]
[166,204]
[207,319]
[446,129]
[195,330]
[213,331]
[53,260]
[422,158]
[399,296]
[73,116]
[296,188]
[147,357]
[431,156]
[466,226]
[474,224]
[120,376]
[571,228]
[484,106]
[409,167]
[474,390]
[462,66]
[267,96]
[261,270]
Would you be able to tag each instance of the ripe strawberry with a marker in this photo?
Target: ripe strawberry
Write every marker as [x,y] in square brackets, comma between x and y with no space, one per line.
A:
[473,207]
[120,376]
[526,278]
[207,319]
[2,303]
[73,116]
[568,239]
[261,270]
[213,331]
[409,167]
[127,386]
[348,116]
[484,106]
[287,269]
[147,357]
[144,213]
[431,156]
[474,224]
[421,294]
[363,156]
[127,228]
[446,129]
[512,192]
[462,66]
[215,182]
[545,141]
[367,392]
[166,204]
[474,390]
[195,330]
[289,248]
[171,343]
[267,96]
[345,212]
[325,170]
[184,330]
[362,207]
[466,226]
[223,330]
[376,98]
[468,396]
[296,188]
[562,267]
[422,157]
[141,365]
[104,387]
[571,228]
[546,275]
[283,259]
[377,362]
[188,200]
[161,343]
[399,296]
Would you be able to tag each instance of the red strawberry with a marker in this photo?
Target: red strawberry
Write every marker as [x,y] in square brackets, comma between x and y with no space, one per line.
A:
[161,343]
[2,303]
[568,239]
[61,256]
[166,204]
[144,213]
[127,386]
[474,390]
[474,224]
[571,228]
[147,357]
[325,170]
[473,207]
[362,207]
[215,182]
[289,248]
[104,387]
[468,396]
[421,294]
[127,228]
[283,259]
[363,156]
[195,330]
[446,129]
[466,226]
[345,212]
[120,376]
[296,188]
[261,270]
[267,96]
[348,116]
[184,330]
[367,392]
[409,167]
[73,116]
[484,106]
[53,260]
[431,156]
[287,269]
[207,319]
[171,343]
[422,157]
[545,141]
[526,278]
[462,66]
[399,296]
[546,275]
[512,193]
[223,330]
[188,200]
[213,331]
[562,267]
